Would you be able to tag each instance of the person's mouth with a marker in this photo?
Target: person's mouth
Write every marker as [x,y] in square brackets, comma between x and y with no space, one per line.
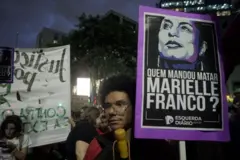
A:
[173,45]
[113,122]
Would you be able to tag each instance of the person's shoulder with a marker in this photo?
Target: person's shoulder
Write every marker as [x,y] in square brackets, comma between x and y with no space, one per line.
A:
[84,126]
[108,135]
[83,131]
[83,123]
[104,140]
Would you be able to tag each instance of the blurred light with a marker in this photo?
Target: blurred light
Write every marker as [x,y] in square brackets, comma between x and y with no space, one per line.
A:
[74,90]
[9,111]
[229,99]
[60,104]
[60,109]
[83,86]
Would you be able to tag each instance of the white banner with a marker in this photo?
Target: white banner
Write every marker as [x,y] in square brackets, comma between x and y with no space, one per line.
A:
[40,93]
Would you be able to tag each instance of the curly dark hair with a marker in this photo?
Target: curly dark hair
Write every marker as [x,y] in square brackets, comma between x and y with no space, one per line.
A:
[16,120]
[122,83]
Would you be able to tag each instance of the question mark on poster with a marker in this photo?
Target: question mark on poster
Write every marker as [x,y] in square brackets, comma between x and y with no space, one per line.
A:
[215,101]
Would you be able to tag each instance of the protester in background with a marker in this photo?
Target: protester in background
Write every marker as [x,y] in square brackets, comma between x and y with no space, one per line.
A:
[14,144]
[118,100]
[76,116]
[83,133]
[102,123]
[82,112]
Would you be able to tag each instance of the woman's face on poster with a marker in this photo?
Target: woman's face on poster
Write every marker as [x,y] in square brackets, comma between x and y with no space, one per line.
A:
[178,40]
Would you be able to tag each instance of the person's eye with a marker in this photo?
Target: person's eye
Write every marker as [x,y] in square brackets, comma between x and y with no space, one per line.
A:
[166,26]
[187,29]
[107,105]
[121,103]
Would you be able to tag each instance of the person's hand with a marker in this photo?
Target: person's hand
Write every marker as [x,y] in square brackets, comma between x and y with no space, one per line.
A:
[71,121]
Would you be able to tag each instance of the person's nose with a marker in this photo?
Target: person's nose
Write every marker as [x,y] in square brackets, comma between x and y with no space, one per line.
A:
[112,110]
[7,131]
[173,32]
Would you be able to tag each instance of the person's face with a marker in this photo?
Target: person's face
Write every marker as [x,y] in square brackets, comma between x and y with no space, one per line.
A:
[178,40]
[118,107]
[10,130]
[102,121]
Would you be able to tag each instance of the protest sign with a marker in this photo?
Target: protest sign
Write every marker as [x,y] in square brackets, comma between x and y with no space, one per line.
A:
[40,93]
[181,91]
[6,64]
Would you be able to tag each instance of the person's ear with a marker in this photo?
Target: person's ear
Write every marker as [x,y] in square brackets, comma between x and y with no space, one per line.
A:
[203,48]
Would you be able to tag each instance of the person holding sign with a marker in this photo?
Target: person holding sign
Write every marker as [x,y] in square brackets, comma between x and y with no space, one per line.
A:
[14,144]
[118,100]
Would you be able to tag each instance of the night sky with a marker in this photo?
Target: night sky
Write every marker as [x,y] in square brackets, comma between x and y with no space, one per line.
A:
[29,16]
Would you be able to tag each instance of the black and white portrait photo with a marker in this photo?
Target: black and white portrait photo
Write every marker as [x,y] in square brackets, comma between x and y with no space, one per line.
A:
[180,43]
